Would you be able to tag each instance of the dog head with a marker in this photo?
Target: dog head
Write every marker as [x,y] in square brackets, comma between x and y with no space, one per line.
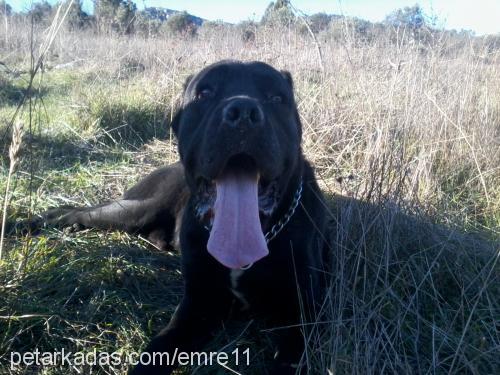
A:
[239,135]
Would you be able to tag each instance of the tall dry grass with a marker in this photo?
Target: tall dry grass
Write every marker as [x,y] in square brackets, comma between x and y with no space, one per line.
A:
[410,122]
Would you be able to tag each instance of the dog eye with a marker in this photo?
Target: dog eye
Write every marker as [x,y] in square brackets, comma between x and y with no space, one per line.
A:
[275,98]
[205,93]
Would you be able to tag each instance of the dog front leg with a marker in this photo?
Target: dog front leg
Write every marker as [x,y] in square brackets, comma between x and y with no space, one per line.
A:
[190,328]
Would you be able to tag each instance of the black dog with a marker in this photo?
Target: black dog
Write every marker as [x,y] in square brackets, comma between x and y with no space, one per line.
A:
[244,202]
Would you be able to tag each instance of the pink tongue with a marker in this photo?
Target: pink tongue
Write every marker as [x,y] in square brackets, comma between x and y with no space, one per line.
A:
[236,238]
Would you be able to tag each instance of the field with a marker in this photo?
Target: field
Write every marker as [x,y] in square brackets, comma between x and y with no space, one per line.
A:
[404,137]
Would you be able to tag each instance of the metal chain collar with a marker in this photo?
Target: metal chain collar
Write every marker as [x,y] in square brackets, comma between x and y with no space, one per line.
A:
[278,227]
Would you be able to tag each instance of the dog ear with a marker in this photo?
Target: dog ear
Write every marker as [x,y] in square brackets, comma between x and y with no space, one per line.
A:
[288,77]
[178,105]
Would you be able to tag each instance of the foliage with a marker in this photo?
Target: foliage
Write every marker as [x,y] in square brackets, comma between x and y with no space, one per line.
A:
[41,12]
[180,24]
[412,18]
[115,15]
[125,16]
[319,21]
[5,8]
[76,19]
[278,13]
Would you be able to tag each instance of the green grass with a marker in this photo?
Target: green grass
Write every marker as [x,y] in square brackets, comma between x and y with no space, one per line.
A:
[93,291]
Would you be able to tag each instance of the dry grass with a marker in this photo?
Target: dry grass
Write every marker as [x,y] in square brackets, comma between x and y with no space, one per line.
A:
[408,132]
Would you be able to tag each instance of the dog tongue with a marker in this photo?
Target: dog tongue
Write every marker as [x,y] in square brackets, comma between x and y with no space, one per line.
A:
[236,238]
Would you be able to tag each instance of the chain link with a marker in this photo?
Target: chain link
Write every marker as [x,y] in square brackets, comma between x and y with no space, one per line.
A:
[278,227]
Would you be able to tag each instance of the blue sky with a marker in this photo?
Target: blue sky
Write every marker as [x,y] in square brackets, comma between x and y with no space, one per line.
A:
[482,16]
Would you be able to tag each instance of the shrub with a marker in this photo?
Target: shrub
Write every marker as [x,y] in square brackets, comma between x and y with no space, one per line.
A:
[180,24]
[278,13]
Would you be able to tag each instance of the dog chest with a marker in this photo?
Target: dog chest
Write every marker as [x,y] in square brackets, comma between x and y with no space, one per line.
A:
[235,276]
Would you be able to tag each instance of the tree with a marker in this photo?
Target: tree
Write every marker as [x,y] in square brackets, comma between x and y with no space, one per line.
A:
[125,15]
[181,24]
[278,13]
[41,13]
[412,18]
[319,22]
[76,18]
[5,9]
[115,15]
[420,26]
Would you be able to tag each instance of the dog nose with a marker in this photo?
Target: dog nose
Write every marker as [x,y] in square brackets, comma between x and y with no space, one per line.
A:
[243,110]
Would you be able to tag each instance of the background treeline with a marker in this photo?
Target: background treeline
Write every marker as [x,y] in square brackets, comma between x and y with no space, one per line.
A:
[122,17]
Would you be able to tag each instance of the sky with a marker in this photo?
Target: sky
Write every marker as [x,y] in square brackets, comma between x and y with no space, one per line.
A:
[481,16]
